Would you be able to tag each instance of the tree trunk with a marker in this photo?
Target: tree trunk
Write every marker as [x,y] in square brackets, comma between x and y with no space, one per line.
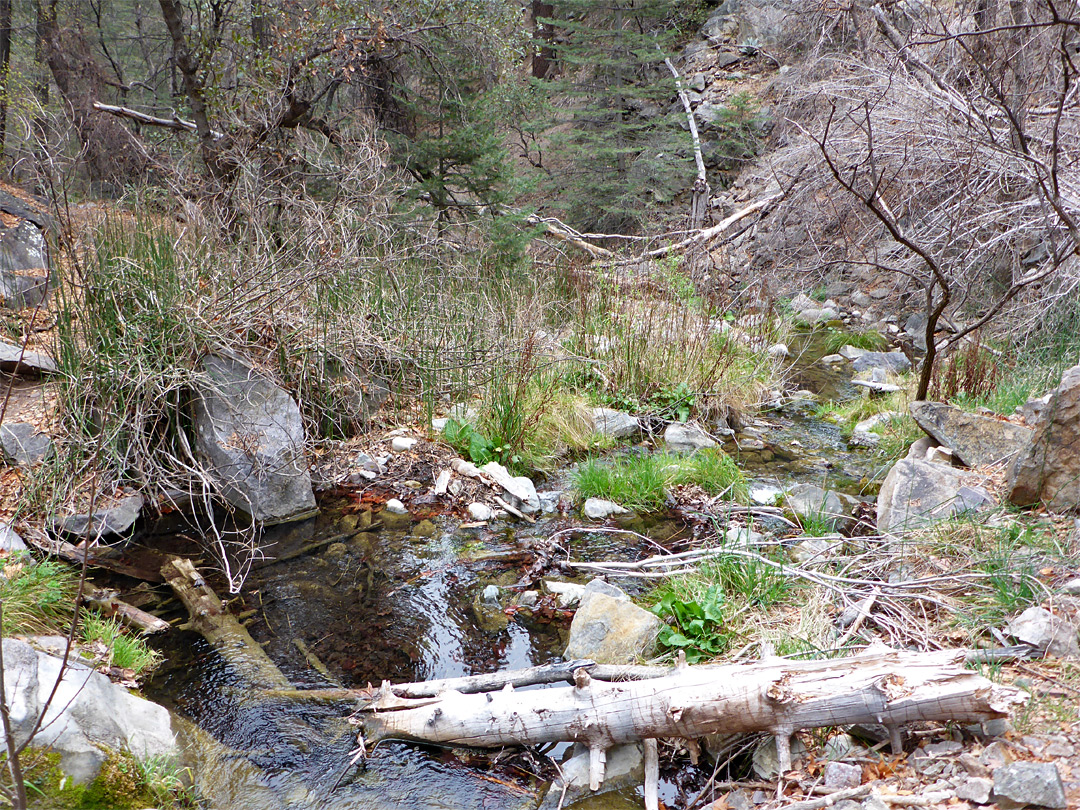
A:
[781,697]
[5,67]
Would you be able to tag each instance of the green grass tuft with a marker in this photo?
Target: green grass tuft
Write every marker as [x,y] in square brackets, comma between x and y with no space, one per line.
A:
[125,651]
[644,482]
[38,598]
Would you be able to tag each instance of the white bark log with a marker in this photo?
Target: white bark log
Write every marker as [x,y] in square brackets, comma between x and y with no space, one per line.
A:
[701,185]
[890,688]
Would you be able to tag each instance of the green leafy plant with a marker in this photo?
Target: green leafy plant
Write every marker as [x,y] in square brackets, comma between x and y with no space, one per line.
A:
[470,442]
[695,625]
[676,402]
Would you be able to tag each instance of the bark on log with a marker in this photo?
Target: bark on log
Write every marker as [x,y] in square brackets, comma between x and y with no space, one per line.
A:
[889,688]
[219,627]
[108,604]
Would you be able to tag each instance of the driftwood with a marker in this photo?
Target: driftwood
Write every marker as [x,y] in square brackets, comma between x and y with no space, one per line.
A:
[889,688]
[108,603]
[220,628]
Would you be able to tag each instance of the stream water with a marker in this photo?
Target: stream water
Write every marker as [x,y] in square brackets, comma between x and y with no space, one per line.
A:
[405,603]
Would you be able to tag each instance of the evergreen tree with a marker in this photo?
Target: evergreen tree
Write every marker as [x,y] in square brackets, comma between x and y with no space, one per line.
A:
[619,148]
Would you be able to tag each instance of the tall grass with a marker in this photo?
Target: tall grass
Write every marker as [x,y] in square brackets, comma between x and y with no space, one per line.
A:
[644,482]
[38,598]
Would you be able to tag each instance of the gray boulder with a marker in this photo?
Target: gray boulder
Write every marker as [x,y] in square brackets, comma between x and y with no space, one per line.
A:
[891,362]
[14,360]
[116,521]
[1045,632]
[1048,467]
[610,629]
[88,716]
[686,438]
[814,503]
[599,509]
[1029,783]
[251,434]
[23,445]
[916,493]
[615,424]
[976,440]
[24,253]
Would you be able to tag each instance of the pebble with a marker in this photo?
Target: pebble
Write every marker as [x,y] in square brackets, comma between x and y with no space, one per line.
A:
[529,598]
[402,444]
[396,507]
[491,594]
[839,775]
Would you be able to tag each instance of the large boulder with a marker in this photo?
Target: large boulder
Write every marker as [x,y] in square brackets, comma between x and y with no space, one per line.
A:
[24,251]
[890,362]
[687,438]
[976,440]
[250,433]
[1048,467]
[614,424]
[916,493]
[88,717]
[610,629]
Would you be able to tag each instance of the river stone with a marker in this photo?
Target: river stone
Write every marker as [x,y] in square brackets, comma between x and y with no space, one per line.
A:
[813,502]
[611,630]
[521,487]
[116,520]
[1046,632]
[615,424]
[976,440]
[599,509]
[403,444]
[1048,467]
[396,507]
[975,789]
[480,512]
[23,445]
[88,716]
[13,359]
[251,434]
[567,594]
[1032,411]
[891,362]
[1029,783]
[863,433]
[916,493]
[686,438]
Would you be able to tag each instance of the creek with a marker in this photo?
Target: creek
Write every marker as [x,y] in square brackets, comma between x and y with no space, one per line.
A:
[404,603]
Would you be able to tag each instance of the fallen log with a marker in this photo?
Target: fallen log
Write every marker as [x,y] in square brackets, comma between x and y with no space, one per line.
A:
[108,603]
[889,688]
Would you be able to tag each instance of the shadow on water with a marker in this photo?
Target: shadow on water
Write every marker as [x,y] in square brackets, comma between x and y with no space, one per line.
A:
[399,604]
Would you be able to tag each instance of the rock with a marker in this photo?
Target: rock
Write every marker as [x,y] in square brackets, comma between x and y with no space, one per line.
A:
[764,494]
[852,352]
[623,768]
[877,387]
[250,433]
[567,594]
[614,424]
[1029,783]
[920,447]
[598,509]
[863,433]
[116,520]
[686,438]
[610,629]
[779,351]
[816,549]
[24,253]
[529,598]
[765,761]
[916,493]
[14,360]
[1072,587]
[1046,632]
[976,440]
[1048,467]
[861,299]
[439,423]
[396,507]
[521,487]
[403,444]
[490,594]
[480,512]
[88,716]
[840,775]
[549,501]
[944,748]
[809,501]
[743,537]
[10,542]
[843,746]
[23,445]
[975,789]
[1032,411]
[892,362]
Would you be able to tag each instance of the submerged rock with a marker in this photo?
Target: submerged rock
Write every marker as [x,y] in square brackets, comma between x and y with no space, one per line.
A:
[1048,467]
[975,440]
[88,717]
[251,434]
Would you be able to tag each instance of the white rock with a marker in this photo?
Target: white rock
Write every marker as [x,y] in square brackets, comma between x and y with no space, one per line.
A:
[402,444]
[833,359]
[599,509]
[1042,629]
[10,540]
[743,537]
[521,487]
[779,351]
[568,594]
[480,512]
[396,507]
[852,352]
[1072,587]
[764,494]
[439,423]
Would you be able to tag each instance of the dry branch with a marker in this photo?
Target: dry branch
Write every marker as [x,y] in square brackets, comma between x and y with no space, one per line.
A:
[152,120]
[889,688]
